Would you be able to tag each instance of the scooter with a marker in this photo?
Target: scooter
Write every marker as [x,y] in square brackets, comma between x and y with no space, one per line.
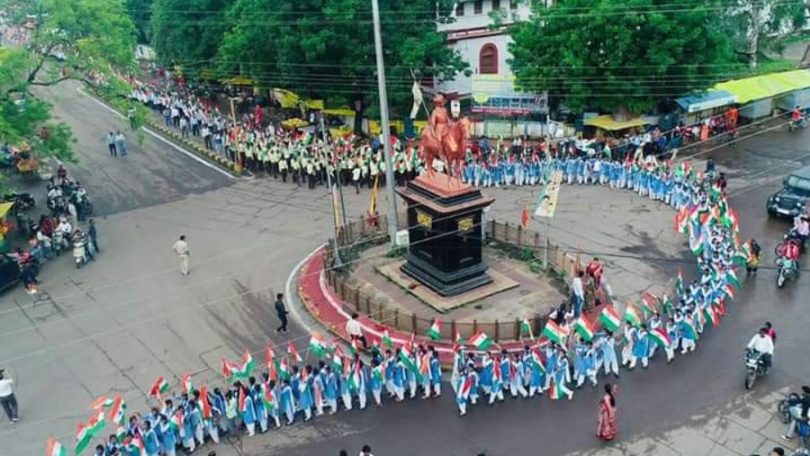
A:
[801,123]
[788,269]
[79,252]
[59,242]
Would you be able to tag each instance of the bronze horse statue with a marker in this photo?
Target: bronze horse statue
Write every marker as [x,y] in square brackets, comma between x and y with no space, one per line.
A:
[445,138]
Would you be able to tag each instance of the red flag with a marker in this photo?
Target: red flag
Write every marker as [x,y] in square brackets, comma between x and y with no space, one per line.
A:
[204,403]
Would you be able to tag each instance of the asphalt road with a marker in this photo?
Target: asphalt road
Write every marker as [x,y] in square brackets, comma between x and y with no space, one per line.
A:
[115,325]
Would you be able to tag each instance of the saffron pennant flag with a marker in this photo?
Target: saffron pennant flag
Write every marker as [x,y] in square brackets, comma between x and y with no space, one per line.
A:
[609,318]
[584,328]
[526,329]
[435,330]
[553,332]
[480,340]
[54,448]
[160,387]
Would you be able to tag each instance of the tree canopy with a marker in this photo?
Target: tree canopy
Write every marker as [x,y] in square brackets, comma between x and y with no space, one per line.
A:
[611,55]
[69,39]
[325,48]
[188,32]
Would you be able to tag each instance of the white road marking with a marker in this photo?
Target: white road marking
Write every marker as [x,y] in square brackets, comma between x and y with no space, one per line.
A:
[162,139]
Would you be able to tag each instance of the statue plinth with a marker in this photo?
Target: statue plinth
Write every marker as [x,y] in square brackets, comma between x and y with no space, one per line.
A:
[445,220]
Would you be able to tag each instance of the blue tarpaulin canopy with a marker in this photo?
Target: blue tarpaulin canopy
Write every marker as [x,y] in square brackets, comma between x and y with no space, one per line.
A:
[707,100]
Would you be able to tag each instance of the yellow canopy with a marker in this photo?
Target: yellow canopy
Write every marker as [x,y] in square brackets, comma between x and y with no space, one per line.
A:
[317,105]
[607,122]
[4,208]
[767,85]
[238,81]
[286,98]
[344,112]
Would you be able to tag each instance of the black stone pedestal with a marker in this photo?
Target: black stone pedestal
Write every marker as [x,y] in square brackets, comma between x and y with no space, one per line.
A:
[445,234]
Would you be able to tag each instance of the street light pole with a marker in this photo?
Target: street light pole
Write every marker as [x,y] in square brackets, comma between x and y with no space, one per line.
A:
[332,195]
[386,128]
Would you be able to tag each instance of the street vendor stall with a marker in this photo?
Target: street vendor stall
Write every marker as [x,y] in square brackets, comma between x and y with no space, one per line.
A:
[698,106]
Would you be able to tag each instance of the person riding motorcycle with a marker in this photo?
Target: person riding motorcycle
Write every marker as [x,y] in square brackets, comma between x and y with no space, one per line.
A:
[801,228]
[796,117]
[799,411]
[762,344]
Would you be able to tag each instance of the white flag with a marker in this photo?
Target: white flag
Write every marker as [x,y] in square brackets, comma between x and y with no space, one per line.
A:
[417,99]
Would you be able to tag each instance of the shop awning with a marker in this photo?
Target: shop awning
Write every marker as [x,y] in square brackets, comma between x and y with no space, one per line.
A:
[238,81]
[766,86]
[703,101]
[4,208]
[606,122]
[341,112]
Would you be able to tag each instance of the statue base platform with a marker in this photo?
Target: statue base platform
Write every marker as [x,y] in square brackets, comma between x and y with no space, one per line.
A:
[445,220]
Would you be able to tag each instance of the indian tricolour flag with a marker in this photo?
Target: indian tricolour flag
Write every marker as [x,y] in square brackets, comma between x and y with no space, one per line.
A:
[728,290]
[631,315]
[526,329]
[293,352]
[117,413]
[161,386]
[96,424]
[83,438]
[554,332]
[480,340]
[584,328]
[317,345]
[558,391]
[679,286]
[537,360]
[176,421]
[435,330]
[688,328]
[610,318]
[407,360]
[283,368]
[458,343]
[247,365]
[711,315]
[186,383]
[697,243]
[660,337]
[648,303]
[101,402]
[732,278]
[54,448]
[386,340]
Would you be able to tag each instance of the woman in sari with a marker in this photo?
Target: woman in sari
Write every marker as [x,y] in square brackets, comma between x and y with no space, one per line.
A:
[607,428]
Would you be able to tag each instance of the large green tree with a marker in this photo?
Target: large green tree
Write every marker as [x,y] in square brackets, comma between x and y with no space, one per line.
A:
[617,55]
[188,32]
[753,24]
[325,48]
[141,12]
[69,39]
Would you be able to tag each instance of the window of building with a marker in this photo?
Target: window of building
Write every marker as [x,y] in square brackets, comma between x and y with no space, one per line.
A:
[460,8]
[479,7]
[496,5]
[488,59]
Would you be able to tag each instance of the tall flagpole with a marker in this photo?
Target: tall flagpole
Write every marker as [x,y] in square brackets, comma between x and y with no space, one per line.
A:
[386,128]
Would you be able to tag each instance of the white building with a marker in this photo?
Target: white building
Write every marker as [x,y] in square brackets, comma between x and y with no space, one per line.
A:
[486,49]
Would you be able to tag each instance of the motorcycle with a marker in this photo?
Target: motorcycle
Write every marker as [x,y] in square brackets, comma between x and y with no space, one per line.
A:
[22,201]
[784,406]
[59,242]
[754,367]
[788,269]
[801,123]
[57,205]
[79,251]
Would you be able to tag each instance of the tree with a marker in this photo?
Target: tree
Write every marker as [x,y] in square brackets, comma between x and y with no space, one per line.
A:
[69,39]
[617,55]
[140,11]
[325,48]
[188,32]
[753,24]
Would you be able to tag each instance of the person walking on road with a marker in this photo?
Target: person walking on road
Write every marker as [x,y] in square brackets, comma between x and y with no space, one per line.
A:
[121,144]
[607,428]
[111,144]
[355,331]
[181,250]
[7,398]
[281,311]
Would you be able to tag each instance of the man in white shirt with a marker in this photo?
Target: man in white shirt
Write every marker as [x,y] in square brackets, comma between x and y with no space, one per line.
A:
[181,250]
[762,343]
[7,398]
[355,331]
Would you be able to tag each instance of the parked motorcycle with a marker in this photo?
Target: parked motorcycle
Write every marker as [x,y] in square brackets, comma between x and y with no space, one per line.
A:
[60,244]
[788,269]
[22,201]
[80,251]
[754,367]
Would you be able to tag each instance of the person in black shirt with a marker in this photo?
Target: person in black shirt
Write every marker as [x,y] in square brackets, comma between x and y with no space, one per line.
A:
[798,412]
[281,311]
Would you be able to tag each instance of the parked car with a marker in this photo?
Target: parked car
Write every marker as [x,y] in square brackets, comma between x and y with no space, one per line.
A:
[9,271]
[790,201]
